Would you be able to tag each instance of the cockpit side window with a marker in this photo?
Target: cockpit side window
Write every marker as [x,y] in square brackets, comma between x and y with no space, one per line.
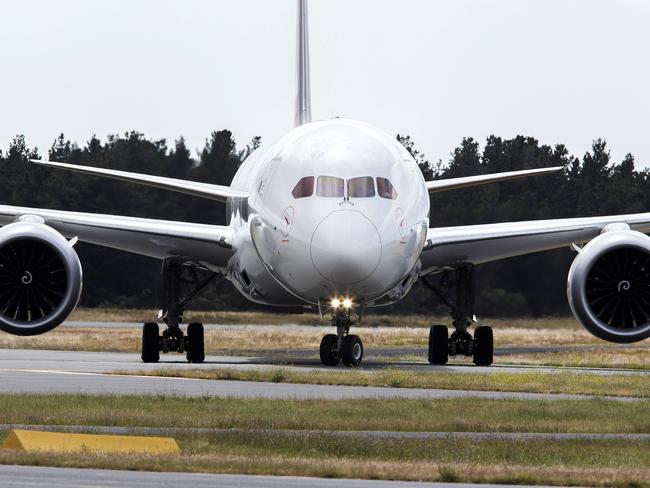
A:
[330,186]
[386,189]
[304,188]
[363,187]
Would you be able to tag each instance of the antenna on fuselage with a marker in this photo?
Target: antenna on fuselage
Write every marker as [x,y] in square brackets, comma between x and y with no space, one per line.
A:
[303,95]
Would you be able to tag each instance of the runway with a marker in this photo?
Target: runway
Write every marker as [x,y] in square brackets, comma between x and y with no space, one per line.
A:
[40,477]
[38,371]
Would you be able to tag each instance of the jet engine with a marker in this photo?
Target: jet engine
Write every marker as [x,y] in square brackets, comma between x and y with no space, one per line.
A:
[609,285]
[40,277]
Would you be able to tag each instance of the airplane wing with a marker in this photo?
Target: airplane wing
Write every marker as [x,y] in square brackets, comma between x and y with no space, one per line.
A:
[204,190]
[207,245]
[475,244]
[467,181]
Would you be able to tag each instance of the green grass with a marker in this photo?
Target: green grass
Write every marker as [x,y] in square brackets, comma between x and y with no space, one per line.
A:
[312,453]
[594,463]
[461,414]
[534,381]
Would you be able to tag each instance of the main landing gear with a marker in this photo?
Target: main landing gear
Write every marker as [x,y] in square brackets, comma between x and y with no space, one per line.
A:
[459,283]
[342,347]
[181,284]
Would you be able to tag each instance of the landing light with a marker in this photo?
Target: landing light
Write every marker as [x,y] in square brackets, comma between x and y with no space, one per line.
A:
[345,303]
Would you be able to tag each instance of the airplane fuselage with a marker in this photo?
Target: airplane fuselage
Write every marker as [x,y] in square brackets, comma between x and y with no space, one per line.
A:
[334,209]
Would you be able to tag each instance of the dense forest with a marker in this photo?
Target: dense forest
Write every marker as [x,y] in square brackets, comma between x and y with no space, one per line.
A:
[530,285]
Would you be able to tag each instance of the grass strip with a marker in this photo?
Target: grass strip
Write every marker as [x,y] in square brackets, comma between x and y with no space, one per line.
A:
[281,338]
[532,382]
[267,318]
[606,357]
[433,415]
[383,434]
[592,463]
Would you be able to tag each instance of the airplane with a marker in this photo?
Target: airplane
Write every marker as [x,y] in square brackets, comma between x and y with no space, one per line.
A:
[333,216]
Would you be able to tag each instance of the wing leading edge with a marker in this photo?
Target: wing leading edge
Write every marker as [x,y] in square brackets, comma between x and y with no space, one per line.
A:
[476,244]
[468,181]
[207,245]
[204,190]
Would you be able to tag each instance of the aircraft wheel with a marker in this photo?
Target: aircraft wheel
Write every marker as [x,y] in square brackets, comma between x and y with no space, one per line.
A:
[483,346]
[195,343]
[150,343]
[352,351]
[438,344]
[329,354]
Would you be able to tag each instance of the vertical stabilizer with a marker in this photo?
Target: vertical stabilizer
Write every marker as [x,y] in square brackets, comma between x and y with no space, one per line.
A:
[303,95]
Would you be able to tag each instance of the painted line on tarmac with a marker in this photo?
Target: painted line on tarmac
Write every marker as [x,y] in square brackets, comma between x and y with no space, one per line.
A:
[91,373]
[381,434]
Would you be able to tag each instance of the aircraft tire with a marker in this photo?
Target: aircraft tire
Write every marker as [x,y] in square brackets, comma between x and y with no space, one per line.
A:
[352,351]
[329,356]
[195,343]
[438,344]
[150,341]
[483,346]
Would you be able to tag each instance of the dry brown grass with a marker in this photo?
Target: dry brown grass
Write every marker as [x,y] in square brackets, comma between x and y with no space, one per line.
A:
[621,463]
[264,318]
[333,460]
[254,337]
[247,339]
[471,472]
[632,358]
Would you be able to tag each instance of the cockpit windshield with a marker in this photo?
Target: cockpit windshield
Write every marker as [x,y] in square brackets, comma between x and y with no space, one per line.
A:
[334,187]
[363,187]
[304,188]
[386,189]
[330,186]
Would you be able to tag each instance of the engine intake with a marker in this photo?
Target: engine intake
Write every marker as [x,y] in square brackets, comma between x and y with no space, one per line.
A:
[40,278]
[609,286]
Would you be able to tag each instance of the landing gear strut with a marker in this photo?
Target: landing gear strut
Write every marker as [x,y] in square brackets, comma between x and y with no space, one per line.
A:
[181,284]
[460,284]
[342,346]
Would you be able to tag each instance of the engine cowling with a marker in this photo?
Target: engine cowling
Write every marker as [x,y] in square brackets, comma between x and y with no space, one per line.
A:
[40,278]
[609,286]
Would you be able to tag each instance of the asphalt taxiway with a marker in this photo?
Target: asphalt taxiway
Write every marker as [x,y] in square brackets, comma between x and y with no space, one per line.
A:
[47,371]
[41,477]
[40,371]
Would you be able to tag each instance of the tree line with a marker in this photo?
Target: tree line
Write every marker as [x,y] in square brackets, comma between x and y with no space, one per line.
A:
[529,285]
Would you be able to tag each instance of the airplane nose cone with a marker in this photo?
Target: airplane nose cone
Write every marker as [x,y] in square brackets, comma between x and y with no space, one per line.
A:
[346,247]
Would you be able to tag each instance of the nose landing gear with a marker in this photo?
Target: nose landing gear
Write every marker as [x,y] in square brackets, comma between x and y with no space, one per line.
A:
[342,347]
[461,342]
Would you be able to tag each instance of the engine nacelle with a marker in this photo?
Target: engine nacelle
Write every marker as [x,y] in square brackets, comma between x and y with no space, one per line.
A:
[609,286]
[40,277]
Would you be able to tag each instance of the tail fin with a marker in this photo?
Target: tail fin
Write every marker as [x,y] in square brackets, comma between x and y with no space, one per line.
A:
[303,95]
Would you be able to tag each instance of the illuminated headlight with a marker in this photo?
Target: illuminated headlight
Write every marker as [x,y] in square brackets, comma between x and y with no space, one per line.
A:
[347,303]
[336,303]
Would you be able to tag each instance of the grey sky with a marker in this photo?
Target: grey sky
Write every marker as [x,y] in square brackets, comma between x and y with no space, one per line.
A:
[564,71]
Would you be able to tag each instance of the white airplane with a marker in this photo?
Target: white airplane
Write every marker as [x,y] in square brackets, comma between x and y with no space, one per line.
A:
[335,215]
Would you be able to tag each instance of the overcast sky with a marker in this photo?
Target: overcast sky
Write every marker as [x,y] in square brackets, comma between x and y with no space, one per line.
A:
[563,71]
